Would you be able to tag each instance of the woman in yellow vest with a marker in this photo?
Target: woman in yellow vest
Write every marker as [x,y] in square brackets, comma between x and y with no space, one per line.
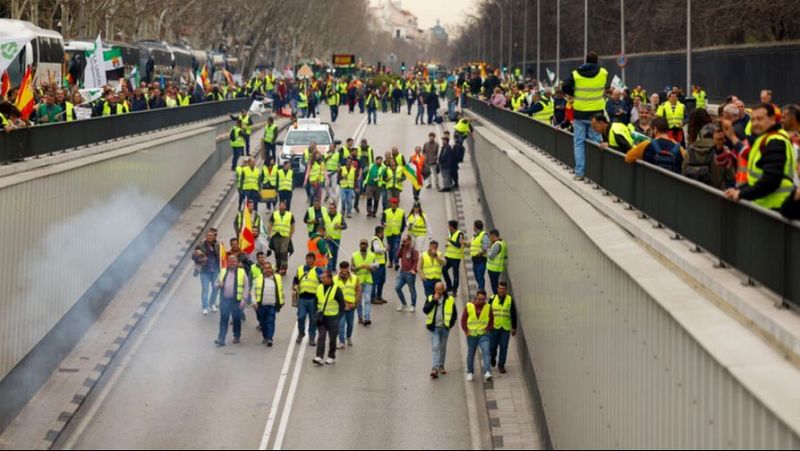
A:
[477,321]
[441,317]
[505,326]
[351,290]
[330,305]
[417,224]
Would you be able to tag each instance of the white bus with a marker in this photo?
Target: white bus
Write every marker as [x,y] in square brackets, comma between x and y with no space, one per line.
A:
[44,53]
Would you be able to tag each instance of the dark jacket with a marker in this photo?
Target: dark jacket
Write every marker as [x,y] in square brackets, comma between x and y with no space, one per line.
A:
[491,82]
[447,157]
[772,162]
[139,104]
[157,102]
[701,165]
[617,111]
[430,306]
[586,70]
[432,101]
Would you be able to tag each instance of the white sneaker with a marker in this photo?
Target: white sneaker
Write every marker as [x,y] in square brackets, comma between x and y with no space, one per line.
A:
[469,377]
[214,308]
[340,346]
[205,312]
[487,377]
[330,361]
[412,310]
[318,361]
[401,308]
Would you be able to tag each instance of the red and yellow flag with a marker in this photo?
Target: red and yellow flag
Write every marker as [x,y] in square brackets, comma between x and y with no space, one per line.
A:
[25,99]
[204,78]
[223,256]
[5,85]
[228,77]
[247,241]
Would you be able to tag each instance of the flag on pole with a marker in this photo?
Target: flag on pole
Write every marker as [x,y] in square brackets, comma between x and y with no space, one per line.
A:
[10,48]
[112,59]
[25,99]
[616,83]
[413,175]
[223,256]
[204,78]
[94,75]
[90,95]
[228,77]
[551,75]
[199,81]
[247,241]
[135,78]
[5,85]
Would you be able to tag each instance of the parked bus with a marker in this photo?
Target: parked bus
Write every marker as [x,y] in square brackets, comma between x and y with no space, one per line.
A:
[156,59]
[44,53]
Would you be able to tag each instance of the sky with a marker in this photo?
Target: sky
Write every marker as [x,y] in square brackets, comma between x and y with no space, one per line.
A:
[449,12]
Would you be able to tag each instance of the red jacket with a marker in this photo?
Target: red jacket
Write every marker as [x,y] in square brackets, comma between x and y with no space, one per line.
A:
[478,311]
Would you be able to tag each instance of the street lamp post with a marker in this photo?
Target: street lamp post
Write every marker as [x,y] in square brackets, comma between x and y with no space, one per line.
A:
[525,41]
[502,28]
[689,46]
[585,27]
[538,39]
[558,38]
[510,37]
[622,31]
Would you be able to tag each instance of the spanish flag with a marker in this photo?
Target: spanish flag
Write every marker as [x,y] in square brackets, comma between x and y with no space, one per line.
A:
[228,77]
[25,98]
[223,256]
[247,241]
[204,78]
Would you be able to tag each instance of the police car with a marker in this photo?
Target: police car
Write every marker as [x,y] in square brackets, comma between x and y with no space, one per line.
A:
[298,138]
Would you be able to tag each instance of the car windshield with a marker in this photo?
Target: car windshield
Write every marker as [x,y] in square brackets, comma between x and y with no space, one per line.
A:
[305,137]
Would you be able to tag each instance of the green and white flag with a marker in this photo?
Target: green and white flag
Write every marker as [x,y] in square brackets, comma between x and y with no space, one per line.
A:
[135,78]
[94,75]
[551,75]
[112,59]
[9,49]
[90,95]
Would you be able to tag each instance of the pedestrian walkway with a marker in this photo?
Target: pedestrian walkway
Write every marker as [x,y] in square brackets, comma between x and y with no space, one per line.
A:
[508,399]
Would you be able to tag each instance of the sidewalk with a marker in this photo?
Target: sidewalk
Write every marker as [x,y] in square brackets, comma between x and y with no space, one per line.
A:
[508,399]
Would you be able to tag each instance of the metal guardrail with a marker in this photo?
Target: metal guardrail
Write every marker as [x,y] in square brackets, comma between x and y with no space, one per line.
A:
[50,138]
[758,242]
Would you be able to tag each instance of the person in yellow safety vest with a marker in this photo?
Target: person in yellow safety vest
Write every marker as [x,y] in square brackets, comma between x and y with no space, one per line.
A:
[505,326]
[269,84]
[247,178]
[497,259]
[334,224]
[393,221]
[280,232]
[364,263]
[268,180]
[270,137]
[348,183]
[441,312]
[111,106]
[377,247]
[234,288]
[286,183]
[334,98]
[237,146]
[393,179]
[267,295]
[477,321]
[417,222]
[430,266]
[616,135]
[365,154]
[302,103]
[333,163]
[304,297]
[313,217]
[517,99]
[184,99]
[373,182]
[247,128]
[454,253]
[372,107]
[771,164]
[478,250]
[351,291]
[341,87]
[462,129]
[675,114]
[315,177]
[255,218]
[640,93]
[330,305]
[700,96]
[587,85]
[542,108]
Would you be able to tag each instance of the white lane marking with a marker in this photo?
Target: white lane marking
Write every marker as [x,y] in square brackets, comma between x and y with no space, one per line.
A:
[362,127]
[276,400]
[119,370]
[287,410]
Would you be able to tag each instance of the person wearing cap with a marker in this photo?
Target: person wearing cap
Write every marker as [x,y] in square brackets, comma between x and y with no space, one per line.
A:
[364,264]
[394,222]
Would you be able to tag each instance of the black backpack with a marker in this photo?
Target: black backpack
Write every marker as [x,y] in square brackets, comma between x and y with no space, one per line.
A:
[699,167]
[668,159]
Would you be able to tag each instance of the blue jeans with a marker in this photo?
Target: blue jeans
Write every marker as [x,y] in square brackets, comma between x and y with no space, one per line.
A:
[254,196]
[346,321]
[582,130]
[333,245]
[266,319]
[473,343]
[347,201]
[246,143]
[208,281]
[393,244]
[237,153]
[439,345]
[451,108]
[428,285]
[229,308]
[334,112]
[455,264]
[372,116]
[378,279]
[406,278]
[500,338]
[367,294]
[307,308]
[420,119]
[479,268]
[494,279]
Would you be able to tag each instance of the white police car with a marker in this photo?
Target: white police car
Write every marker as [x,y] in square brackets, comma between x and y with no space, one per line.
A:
[298,138]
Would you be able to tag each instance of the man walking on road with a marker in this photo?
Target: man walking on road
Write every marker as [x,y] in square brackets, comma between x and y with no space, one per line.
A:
[477,323]
[235,286]
[431,151]
[409,259]
[379,275]
[351,290]
[430,266]
[334,224]
[587,85]
[209,271]
[447,161]
[268,295]
[363,263]
[442,314]
[304,288]
[280,232]
[505,325]
[454,253]
[478,249]
[496,259]
[330,305]
[394,223]
[286,184]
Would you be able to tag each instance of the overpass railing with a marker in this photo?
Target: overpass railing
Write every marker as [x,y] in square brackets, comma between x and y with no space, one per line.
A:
[758,242]
[50,138]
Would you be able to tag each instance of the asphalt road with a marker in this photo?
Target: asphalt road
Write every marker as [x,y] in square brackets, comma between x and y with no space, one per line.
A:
[172,388]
